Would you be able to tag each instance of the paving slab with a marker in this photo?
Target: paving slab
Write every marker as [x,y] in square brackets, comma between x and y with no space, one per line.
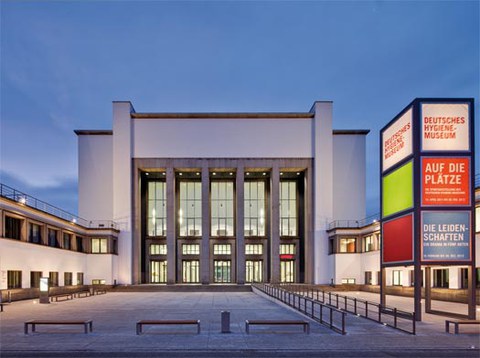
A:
[114,316]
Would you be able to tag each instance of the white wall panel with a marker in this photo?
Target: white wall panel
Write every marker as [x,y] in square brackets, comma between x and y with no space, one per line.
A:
[223,138]
[95,193]
[349,164]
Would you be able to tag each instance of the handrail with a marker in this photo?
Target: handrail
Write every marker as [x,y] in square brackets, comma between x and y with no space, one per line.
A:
[388,316]
[32,202]
[354,223]
[307,306]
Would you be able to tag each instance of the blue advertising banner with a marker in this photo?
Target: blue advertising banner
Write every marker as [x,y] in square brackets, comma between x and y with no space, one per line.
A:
[446,236]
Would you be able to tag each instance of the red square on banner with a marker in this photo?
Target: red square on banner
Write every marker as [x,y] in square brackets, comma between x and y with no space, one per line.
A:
[445,181]
[398,239]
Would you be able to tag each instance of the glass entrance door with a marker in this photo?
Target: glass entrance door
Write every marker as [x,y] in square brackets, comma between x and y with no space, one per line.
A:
[287,270]
[191,271]
[158,271]
[254,271]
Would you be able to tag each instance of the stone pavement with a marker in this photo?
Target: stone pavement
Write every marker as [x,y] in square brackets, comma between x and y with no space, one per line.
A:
[114,316]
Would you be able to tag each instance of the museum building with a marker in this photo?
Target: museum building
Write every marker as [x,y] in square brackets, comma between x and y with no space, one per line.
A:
[205,198]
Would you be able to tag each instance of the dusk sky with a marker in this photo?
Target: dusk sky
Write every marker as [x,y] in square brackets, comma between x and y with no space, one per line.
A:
[63,63]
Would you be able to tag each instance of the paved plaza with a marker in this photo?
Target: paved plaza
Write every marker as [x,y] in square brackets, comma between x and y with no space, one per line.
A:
[114,316]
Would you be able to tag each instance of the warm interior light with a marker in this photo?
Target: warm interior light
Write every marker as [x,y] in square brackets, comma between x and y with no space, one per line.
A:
[163,173]
[180,173]
[281,173]
[198,173]
[147,173]
[231,173]
[214,173]
[298,173]
[248,173]
[264,173]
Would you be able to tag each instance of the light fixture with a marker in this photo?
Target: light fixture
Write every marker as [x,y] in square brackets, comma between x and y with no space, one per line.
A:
[74,220]
[214,173]
[197,173]
[248,173]
[264,173]
[180,174]
[231,173]
[163,173]
[147,173]
[281,173]
[298,173]
[22,200]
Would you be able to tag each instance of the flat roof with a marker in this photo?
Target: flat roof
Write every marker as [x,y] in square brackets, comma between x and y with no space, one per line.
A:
[351,131]
[224,115]
[93,132]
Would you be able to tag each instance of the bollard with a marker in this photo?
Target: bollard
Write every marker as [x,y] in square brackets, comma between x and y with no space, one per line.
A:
[225,321]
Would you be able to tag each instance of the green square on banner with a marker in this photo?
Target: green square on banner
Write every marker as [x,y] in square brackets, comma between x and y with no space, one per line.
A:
[398,190]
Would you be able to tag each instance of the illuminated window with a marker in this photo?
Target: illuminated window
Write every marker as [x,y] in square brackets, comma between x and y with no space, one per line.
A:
[158,249]
[191,271]
[370,244]
[397,278]
[191,249]
[348,281]
[288,208]
[348,245]
[221,269]
[254,271]
[222,249]
[222,208]
[253,249]
[158,271]
[287,271]
[157,209]
[190,212]
[254,206]
[99,246]
[287,249]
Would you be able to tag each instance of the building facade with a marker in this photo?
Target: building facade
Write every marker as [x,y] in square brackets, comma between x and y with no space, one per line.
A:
[222,197]
[208,198]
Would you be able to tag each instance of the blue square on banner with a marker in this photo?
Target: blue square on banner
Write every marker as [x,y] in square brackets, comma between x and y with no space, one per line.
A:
[446,236]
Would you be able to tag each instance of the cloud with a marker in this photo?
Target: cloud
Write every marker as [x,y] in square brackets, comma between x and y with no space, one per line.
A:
[62,195]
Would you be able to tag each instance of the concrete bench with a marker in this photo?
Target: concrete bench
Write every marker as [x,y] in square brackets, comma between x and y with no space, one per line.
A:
[66,296]
[85,293]
[142,323]
[458,323]
[305,324]
[88,324]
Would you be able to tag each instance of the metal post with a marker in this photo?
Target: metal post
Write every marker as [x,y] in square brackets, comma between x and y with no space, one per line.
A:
[225,316]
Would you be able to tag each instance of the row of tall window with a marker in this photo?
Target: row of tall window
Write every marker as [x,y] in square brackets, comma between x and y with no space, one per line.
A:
[355,244]
[222,271]
[222,209]
[220,249]
[14,279]
[56,238]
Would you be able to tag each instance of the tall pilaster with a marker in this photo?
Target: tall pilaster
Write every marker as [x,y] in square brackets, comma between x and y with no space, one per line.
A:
[240,233]
[122,191]
[323,188]
[275,224]
[171,261]
[205,250]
